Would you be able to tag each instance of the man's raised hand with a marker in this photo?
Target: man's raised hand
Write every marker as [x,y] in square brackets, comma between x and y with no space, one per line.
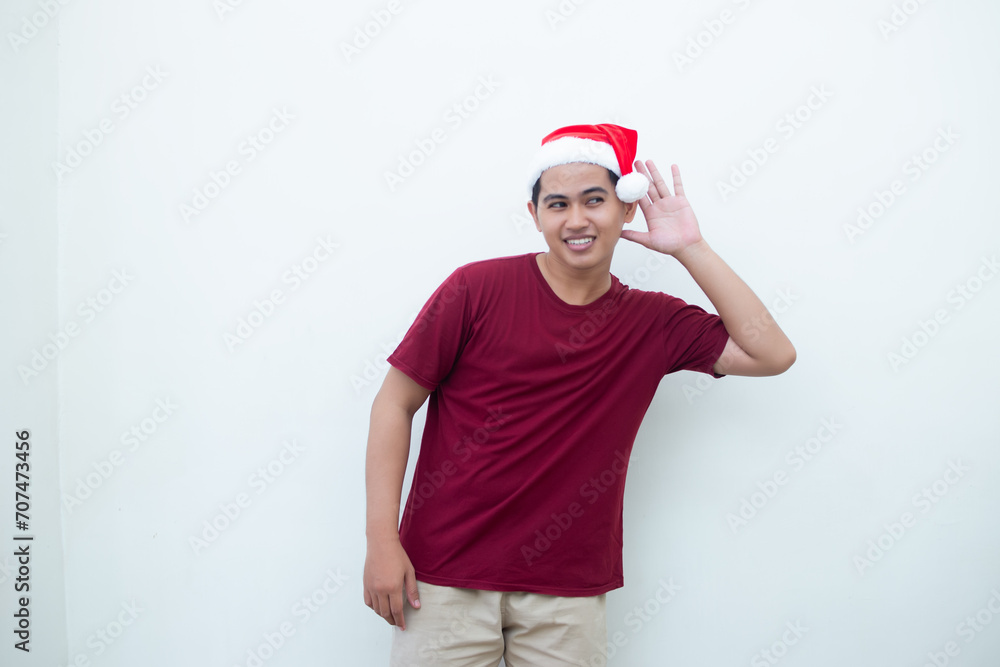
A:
[669,217]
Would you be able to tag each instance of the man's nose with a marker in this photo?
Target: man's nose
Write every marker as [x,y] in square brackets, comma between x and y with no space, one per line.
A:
[577,217]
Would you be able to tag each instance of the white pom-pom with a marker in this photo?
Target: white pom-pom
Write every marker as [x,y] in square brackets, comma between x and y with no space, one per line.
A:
[632,187]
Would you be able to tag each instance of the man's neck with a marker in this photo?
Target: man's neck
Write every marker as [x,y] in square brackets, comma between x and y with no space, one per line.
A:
[577,288]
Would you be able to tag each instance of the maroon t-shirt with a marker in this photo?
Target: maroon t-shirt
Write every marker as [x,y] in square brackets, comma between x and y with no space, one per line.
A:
[534,407]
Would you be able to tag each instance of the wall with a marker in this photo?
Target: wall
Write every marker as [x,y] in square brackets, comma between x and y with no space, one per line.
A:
[236,264]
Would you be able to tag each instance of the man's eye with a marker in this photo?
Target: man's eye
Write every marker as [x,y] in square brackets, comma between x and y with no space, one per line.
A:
[595,199]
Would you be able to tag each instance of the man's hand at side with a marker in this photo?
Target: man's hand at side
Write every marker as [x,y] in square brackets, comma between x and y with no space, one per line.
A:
[388,570]
[388,576]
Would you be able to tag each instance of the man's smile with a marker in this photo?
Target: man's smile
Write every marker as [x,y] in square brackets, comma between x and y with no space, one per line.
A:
[580,242]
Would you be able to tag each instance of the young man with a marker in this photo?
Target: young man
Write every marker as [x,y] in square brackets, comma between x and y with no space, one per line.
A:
[539,370]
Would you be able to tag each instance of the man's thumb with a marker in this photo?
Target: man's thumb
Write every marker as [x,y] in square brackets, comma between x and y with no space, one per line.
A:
[411,591]
[633,235]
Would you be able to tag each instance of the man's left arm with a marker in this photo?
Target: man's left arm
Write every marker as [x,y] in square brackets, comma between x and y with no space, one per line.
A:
[757,346]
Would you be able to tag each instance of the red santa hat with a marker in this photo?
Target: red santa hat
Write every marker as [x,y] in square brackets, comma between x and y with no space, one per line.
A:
[610,146]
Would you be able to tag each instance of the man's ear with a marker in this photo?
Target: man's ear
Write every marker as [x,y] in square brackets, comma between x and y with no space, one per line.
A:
[534,216]
[630,210]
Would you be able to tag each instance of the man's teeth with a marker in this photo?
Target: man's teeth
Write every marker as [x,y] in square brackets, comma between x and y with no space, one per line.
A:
[580,241]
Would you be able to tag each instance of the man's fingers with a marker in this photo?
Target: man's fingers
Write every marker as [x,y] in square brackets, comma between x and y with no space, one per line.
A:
[383,607]
[661,185]
[651,190]
[643,204]
[678,187]
[368,599]
[380,604]
[396,609]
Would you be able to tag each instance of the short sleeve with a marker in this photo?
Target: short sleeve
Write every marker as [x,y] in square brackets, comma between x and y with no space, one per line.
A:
[435,340]
[694,338]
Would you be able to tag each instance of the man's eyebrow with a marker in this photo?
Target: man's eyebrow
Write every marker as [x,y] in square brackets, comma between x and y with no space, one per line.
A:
[588,191]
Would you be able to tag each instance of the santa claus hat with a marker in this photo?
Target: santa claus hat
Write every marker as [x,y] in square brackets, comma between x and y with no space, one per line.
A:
[607,145]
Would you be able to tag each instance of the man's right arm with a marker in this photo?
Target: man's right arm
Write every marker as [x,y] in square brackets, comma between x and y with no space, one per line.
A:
[388,572]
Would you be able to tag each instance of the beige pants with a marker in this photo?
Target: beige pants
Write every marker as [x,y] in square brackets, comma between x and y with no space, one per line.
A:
[472,628]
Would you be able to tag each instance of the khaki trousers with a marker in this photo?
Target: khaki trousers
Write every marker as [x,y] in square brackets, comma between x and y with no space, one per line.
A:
[473,628]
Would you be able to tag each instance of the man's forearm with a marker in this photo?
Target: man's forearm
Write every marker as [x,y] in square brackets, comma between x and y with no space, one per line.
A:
[747,320]
[385,467]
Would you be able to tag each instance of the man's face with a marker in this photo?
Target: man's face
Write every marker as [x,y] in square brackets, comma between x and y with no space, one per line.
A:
[580,215]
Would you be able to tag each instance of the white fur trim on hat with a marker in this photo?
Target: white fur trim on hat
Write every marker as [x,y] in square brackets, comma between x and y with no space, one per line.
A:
[572,149]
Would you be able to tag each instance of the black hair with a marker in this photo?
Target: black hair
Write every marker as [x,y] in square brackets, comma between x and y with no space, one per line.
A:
[537,188]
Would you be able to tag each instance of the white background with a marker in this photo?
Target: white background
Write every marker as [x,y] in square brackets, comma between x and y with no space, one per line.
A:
[308,373]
